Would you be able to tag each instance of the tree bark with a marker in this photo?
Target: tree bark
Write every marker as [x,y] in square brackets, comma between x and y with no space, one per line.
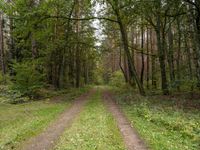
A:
[178,54]
[78,62]
[147,45]
[153,61]
[3,67]
[161,54]
[171,55]
[142,56]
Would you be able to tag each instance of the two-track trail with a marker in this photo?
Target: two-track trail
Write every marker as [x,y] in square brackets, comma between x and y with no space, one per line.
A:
[130,135]
[49,137]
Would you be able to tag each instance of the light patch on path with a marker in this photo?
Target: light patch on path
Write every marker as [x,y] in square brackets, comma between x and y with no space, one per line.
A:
[49,137]
[131,137]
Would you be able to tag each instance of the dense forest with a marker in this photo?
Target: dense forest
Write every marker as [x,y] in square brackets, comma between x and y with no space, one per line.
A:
[147,50]
[155,44]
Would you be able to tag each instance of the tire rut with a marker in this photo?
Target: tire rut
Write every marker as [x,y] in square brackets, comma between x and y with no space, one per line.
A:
[130,135]
[49,137]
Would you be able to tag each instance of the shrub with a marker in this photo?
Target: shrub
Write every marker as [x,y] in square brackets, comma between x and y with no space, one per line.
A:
[117,79]
[28,80]
[4,80]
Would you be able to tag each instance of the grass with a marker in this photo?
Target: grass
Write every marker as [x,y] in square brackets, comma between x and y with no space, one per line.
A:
[163,124]
[94,129]
[21,121]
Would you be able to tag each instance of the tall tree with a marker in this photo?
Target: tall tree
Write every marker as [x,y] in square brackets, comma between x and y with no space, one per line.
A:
[2,53]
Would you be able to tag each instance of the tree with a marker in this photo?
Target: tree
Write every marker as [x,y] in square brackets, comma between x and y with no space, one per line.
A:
[116,9]
[2,53]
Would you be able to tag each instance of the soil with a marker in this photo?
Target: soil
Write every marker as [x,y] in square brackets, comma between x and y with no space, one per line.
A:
[49,137]
[130,136]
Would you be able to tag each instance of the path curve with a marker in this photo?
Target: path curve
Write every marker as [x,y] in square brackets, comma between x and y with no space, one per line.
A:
[130,136]
[48,138]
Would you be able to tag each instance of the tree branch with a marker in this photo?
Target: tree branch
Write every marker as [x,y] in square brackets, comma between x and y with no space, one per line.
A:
[82,19]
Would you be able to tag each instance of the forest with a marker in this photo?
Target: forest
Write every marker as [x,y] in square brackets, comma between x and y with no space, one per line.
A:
[100,74]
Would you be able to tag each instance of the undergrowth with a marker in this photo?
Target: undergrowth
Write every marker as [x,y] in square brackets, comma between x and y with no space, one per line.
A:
[19,122]
[163,123]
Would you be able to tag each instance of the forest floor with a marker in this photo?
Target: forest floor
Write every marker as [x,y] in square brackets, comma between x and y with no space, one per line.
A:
[45,140]
[99,119]
[19,122]
[95,128]
[91,121]
[164,122]
[130,135]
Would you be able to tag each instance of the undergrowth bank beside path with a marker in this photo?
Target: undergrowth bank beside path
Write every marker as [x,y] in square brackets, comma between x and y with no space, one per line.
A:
[163,124]
[19,122]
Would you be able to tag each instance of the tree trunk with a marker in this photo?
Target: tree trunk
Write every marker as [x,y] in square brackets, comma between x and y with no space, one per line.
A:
[171,55]
[33,47]
[161,54]
[142,56]
[129,58]
[120,65]
[78,62]
[12,51]
[131,81]
[197,24]
[3,67]
[178,54]
[71,67]
[187,49]
[153,61]
[147,44]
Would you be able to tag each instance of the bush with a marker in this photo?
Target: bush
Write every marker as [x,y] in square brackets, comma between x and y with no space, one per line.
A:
[8,95]
[4,80]
[28,80]
[117,79]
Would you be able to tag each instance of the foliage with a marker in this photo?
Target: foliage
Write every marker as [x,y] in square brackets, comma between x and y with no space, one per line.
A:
[98,76]
[117,79]
[28,79]
[4,79]
[8,95]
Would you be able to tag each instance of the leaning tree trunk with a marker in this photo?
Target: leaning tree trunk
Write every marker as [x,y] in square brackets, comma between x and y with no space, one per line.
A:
[129,58]
[120,65]
[115,7]
[131,81]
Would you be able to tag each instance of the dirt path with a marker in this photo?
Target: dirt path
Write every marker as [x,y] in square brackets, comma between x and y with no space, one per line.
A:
[131,138]
[48,138]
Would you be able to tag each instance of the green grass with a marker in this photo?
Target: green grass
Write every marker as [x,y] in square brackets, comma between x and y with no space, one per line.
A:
[162,124]
[94,129]
[21,121]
